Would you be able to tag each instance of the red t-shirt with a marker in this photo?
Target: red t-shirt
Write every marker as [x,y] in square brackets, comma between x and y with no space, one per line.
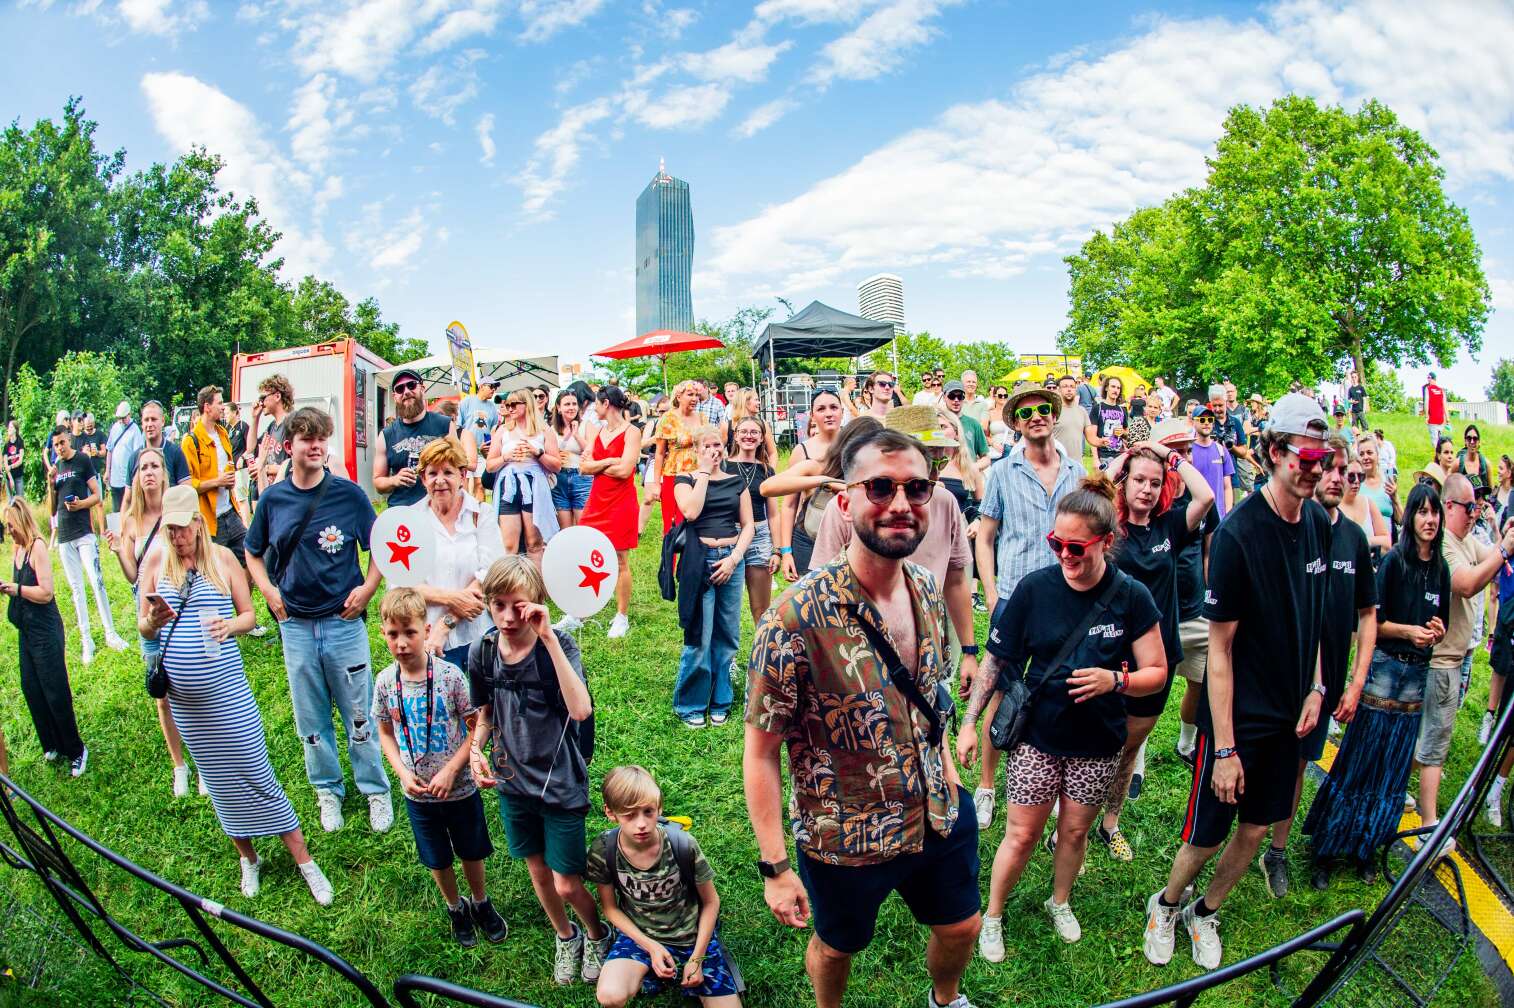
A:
[1435,403]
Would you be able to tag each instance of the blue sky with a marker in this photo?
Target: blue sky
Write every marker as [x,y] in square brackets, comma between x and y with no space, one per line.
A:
[480,159]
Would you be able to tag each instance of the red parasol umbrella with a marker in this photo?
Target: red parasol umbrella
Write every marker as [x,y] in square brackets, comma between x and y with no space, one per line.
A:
[659,343]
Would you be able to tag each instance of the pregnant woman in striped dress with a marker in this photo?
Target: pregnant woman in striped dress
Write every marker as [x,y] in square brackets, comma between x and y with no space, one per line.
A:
[208,693]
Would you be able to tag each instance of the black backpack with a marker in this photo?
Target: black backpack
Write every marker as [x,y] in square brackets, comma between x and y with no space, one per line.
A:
[581,732]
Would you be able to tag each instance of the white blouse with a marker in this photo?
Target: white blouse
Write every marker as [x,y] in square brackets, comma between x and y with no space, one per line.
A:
[460,558]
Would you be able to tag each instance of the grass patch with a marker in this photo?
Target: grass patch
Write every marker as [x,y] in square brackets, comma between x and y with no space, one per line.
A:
[388,919]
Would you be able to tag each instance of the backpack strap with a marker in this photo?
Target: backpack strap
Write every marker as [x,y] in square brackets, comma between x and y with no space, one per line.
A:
[683,856]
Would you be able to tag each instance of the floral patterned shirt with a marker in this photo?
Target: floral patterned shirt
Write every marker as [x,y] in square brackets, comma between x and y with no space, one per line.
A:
[867,783]
[676,433]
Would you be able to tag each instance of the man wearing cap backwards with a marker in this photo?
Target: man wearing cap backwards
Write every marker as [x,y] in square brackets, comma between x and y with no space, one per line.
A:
[1266,607]
[124,441]
[401,442]
[1018,510]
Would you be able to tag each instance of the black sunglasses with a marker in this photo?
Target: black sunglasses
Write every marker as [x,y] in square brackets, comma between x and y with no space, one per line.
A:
[406,386]
[1040,409]
[882,489]
[956,396]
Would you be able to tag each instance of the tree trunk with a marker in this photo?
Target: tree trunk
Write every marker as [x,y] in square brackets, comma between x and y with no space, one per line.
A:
[1356,359]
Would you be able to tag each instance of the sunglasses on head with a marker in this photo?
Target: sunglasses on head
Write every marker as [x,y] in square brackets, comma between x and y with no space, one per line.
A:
[1322,457]
[1072,547]
[406,386]
[1039,409]
[883,489]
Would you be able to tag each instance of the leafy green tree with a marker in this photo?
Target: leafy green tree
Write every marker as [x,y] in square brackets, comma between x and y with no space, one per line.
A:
[79,380]
[383,338]
[1319,235]
[1385,390]
[1501,387]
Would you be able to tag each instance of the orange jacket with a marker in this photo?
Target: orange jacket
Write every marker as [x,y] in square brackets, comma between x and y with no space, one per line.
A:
[200,454]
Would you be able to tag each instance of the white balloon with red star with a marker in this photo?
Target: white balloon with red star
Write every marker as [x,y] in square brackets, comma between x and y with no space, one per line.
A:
[403,545]
[579,567]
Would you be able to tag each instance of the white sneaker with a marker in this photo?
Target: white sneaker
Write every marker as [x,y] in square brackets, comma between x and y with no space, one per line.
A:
[619,626]
[568,624]
[200,777]
[991,939]
[320,886]
[251,870]
[1161,930]
[960,1001]
[1485,730]
[568,958]
[1494,809]
[86,651]
[181,782]
[380,812]
[1062,919]
[1204,932]
[76,768]
[114,642]
[983,804]
[51,755]
[331,810]
[258,630]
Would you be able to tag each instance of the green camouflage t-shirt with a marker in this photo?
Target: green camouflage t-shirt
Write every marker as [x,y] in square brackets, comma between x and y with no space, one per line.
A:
[655,899]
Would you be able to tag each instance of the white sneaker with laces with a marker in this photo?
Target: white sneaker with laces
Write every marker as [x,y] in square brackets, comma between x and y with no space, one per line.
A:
[115,642]
[1204,932]
[991,939]
[320,885]
[619,626]
[331,810]
[1495,812]
[1161,930]
[251,882]
[200,778]
[1063,920]
[960,1001]
[568,958]
[983,804]
[181,781]
[568,624]
[76,768]
[380,812]
[1485,730]
[258,630]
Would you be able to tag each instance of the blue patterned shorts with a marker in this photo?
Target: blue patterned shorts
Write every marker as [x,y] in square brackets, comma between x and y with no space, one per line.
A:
[718,978]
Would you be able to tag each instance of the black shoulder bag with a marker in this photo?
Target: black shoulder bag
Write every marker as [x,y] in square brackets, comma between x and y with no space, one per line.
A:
[284,551]
[1015,706]
[157,671]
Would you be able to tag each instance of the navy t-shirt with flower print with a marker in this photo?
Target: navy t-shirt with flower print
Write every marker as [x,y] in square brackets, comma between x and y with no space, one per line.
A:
[325,566]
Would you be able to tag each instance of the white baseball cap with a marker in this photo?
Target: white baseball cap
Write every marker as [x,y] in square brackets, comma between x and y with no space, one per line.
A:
[1296,413]
[123,410]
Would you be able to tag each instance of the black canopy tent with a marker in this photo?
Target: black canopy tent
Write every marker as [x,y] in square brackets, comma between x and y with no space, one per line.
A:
[818,331]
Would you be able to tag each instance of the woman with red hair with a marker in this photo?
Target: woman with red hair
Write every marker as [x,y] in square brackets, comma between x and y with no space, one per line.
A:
[1161,499]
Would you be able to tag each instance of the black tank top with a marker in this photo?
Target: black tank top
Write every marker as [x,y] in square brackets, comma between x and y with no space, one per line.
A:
[25,614]
[403,443]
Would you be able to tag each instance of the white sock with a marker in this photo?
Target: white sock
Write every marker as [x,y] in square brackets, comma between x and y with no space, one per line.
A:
[1496,794]
[1188,735]
[455,907]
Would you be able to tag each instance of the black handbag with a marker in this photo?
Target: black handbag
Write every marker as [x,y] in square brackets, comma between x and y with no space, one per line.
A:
[1015,706]
[157,671]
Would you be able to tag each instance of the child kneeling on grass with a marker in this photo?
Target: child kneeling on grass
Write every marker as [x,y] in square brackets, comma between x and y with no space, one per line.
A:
[658,891]
[528,683]
[424,710]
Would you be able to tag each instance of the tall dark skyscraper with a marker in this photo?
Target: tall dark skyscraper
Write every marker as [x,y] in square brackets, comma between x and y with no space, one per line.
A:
[664,255]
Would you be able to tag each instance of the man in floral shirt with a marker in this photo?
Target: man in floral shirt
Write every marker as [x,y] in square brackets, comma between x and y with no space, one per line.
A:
[877,806]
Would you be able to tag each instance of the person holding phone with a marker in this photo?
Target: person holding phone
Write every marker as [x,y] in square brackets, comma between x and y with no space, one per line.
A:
[39,634]
[76,490]
[395,473]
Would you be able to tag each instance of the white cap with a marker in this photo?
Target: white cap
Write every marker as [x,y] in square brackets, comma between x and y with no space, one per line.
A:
[1296,413]
[123,410]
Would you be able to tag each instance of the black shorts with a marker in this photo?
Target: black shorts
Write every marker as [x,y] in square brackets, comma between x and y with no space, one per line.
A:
[1312,746]
[512,503]
[939,885]
[1270,766]
[446,828]
[1152,704]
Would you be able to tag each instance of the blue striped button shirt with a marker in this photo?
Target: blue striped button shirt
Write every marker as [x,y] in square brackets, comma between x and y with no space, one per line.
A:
[1016,498]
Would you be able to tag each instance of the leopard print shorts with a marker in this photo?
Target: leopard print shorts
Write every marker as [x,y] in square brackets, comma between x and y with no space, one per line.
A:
[1037,778]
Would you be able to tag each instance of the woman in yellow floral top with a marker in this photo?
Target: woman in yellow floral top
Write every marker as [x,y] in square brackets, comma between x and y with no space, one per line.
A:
[674,454]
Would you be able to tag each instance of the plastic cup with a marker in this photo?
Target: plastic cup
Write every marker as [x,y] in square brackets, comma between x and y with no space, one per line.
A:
[113,523]
[207,638]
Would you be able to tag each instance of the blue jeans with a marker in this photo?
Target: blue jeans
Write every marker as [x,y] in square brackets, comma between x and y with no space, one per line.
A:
[1390,677]
[704,681]
[328,662]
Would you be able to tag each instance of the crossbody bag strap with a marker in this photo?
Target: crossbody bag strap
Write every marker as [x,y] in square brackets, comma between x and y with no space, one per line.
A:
[903,681]
[148,544]
[1075,638]
[174,623]
[286,549]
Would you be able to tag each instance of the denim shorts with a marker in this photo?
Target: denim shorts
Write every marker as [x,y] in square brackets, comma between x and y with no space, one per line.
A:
[1391,677]
[572,490]
[533,827]
[446,828]
[719,978]
[761,549]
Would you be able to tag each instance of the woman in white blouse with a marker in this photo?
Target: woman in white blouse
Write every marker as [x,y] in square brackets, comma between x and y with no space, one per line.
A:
[466,546]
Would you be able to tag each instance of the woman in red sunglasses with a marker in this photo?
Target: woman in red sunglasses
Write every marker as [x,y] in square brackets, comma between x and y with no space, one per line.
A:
[1076,725]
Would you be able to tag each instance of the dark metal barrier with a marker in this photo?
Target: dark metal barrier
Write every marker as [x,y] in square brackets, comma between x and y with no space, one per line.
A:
[1186,993]
[409,984]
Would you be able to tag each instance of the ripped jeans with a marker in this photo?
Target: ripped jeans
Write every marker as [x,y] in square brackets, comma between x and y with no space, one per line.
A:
[328,662]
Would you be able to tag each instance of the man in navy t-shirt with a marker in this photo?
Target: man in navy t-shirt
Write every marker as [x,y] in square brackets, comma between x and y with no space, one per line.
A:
[302,551]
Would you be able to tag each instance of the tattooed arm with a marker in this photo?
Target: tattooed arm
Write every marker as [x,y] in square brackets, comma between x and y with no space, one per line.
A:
[984,684]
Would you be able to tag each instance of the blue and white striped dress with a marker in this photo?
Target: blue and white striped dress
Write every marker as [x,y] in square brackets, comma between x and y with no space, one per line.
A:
[214,709]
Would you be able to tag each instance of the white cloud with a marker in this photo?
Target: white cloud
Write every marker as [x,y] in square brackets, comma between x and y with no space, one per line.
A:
[484,130]
[162,17]
[545,18]
[443,89]
[685,107]
[556,152]
[993,187]
[877,45]
[317,116]
[187,112]
[764,116]
[386,248]
[810,11]
[477,19]
[736,60]
[361,40]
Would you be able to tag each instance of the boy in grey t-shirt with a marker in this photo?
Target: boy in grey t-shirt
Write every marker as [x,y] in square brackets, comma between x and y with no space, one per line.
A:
[423,710]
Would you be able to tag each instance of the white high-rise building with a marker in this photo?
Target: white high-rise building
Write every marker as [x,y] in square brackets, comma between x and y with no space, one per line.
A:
[881,298]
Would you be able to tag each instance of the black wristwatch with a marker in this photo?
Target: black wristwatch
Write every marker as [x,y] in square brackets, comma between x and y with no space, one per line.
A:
[971,650]
[772,869]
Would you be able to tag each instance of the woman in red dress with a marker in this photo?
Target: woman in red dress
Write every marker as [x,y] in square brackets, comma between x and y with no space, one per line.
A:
[614,507]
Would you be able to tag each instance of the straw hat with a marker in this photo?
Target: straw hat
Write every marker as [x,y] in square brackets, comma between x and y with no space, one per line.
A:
[1024,390]
[181,505]
[1436,474]
[1173,431]
[919,422]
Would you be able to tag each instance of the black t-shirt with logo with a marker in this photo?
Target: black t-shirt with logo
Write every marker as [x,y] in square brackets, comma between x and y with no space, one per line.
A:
[1358,397]
[13,455]
[1150,554]
[1191,562]
[1352,588]
[403,443]
[1035,624]
[1110,417]
[71,479]
[1268,576]
[1410,593]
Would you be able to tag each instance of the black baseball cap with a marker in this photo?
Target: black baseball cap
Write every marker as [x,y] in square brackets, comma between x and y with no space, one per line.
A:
[404,373]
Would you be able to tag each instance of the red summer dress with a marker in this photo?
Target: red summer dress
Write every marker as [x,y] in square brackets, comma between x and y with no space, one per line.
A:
[614,507]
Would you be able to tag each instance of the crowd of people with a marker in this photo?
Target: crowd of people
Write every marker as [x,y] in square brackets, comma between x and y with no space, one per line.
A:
[1116,540]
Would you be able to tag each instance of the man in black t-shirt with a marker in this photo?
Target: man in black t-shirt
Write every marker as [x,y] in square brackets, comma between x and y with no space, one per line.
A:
[1356,394]
[76,490]
[401,442]
[1350,606]
[1266,605]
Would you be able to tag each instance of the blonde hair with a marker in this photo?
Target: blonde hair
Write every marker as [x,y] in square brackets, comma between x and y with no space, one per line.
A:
[443,451]
[972,479]
[514,575]
[738,410]
[403,605]
[532,418]
[630,787]
[687,385]
[698,434]
[136,509]
[25,521]
[175,570]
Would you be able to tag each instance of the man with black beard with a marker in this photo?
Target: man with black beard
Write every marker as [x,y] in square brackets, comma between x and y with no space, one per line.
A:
[844,673]
[400,443]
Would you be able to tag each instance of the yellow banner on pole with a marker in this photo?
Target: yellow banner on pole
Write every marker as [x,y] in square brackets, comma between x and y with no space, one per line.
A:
[464,370]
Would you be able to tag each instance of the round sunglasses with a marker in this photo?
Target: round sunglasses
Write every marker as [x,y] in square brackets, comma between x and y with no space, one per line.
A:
[883,489]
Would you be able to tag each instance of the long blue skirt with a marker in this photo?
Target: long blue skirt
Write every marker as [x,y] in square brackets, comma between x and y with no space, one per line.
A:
[1358,808]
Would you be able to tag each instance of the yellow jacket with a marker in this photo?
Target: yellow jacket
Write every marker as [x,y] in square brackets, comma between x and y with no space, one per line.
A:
[200,455]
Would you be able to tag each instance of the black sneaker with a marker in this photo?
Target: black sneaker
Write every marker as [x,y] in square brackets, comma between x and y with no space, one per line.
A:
[1274,865]
[462,925]
[489,921]
[1320,878]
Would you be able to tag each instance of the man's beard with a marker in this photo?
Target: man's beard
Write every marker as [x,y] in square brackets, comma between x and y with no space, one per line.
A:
[889,549]
[409,409]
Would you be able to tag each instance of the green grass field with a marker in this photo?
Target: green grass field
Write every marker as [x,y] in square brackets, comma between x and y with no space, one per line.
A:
[387,917]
